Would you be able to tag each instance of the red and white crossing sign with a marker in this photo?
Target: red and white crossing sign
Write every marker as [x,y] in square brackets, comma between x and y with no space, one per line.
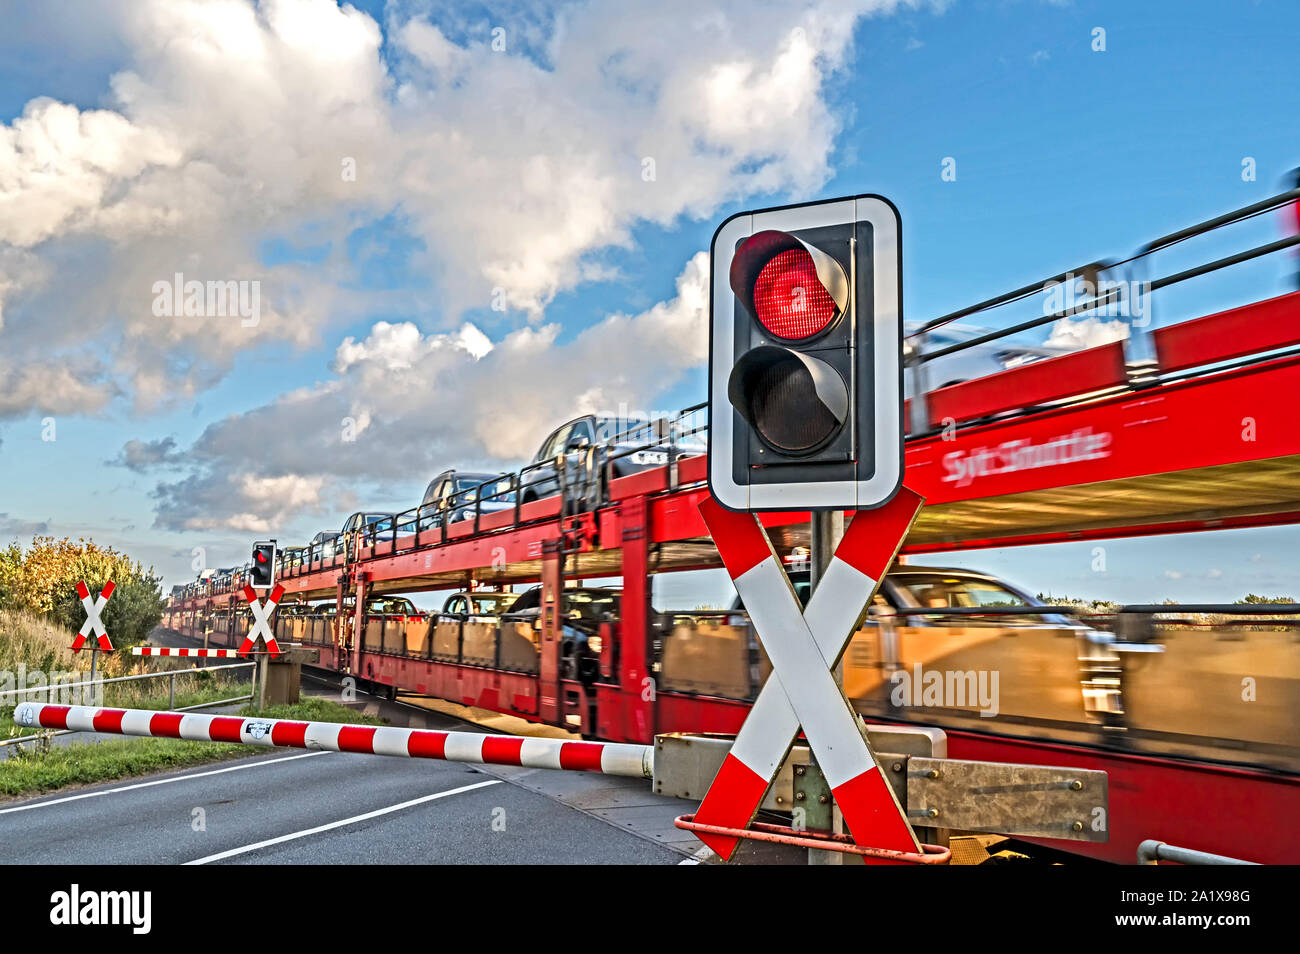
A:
[261,620]
[93,622]
[804,646]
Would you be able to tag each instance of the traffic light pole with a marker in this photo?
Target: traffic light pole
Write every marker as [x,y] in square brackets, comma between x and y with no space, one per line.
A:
[827,529]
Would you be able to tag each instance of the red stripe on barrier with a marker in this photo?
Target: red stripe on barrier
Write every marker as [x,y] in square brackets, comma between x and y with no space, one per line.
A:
[499,750]
[740,542]
[54,717]
[225,729]
[873,817]
[108,720]
[581,756]
[277,593]
[250,594]
[355,738]
[869,544]
[82,591]
[290,733]
[166,725]
[731,802]
[427,745]
[107,591]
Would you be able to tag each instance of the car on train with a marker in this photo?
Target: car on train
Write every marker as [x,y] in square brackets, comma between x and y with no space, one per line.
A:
[456,495]
[909,589]
[478,603]
[583,612]
[618,446]
[377,527]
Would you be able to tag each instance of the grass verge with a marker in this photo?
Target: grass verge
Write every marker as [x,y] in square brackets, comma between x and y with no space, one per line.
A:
[82,763]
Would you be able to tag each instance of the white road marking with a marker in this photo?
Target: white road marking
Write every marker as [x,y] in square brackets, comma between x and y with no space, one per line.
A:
[700,856]
[159,781]
[340,823]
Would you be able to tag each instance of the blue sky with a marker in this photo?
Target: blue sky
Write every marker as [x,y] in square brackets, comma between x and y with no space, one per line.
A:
[1063,155]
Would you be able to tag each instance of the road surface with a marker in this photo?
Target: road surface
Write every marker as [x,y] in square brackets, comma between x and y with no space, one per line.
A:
[292,807]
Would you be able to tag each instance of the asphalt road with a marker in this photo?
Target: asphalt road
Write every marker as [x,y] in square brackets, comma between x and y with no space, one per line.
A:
[314,808]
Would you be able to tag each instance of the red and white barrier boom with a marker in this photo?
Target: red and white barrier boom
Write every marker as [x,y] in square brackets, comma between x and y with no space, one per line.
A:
[804,647]
[187,653]
[633,761]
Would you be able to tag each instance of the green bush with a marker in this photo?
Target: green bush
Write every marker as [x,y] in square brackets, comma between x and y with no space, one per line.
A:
[43,581]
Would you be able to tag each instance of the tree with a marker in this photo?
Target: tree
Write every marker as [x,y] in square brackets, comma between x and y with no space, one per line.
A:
[43,580]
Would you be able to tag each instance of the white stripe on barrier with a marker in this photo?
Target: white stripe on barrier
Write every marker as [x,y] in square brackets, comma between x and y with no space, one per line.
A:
[184,652]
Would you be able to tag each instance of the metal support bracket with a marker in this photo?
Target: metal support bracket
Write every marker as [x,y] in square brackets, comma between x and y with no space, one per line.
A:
[940,794]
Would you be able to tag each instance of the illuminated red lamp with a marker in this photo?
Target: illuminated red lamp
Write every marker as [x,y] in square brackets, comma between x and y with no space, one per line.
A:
[793,289]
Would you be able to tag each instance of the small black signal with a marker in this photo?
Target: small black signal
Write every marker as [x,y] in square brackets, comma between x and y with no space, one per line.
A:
[263,572]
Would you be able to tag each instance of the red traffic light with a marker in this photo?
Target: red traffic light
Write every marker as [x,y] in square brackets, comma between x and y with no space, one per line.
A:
[793,289]
[789,300]
[262,572]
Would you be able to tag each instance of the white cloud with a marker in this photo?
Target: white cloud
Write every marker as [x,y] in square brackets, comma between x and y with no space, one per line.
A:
[143,456]
[233,122]
[1080,333]
[421,402]
[513,171]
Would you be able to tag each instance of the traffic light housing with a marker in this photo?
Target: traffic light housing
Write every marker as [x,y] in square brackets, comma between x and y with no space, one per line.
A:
[263,573]
[805,357]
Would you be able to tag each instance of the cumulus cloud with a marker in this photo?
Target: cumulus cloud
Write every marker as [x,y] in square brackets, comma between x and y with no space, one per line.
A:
[18,529]
[1078,333]
[405,403]
[142,456]
[514,159]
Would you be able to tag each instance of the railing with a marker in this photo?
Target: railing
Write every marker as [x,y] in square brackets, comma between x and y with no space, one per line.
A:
[1041,383]
[94,688]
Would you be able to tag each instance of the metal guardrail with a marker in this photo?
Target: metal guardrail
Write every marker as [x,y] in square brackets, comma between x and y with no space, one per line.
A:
[1152,852]
[10,696]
